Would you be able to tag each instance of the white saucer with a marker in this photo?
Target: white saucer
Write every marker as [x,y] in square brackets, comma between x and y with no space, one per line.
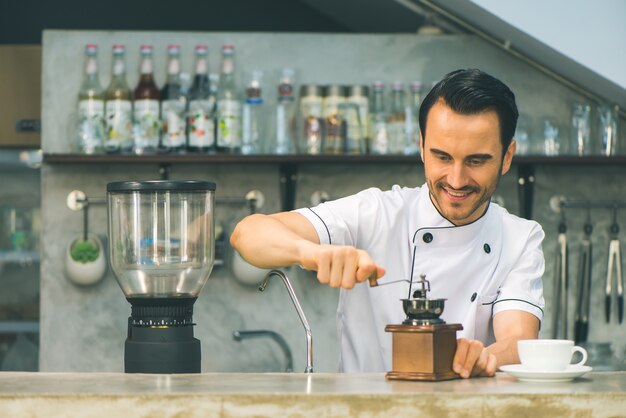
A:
[525,375]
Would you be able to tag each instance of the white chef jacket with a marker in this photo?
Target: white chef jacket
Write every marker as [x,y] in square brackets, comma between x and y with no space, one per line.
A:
[491,265]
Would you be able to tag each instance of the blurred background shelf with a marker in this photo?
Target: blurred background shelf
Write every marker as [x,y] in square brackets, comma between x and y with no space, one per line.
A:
[301,159]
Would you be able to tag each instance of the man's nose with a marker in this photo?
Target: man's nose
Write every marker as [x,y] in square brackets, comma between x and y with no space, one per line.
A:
[457,176]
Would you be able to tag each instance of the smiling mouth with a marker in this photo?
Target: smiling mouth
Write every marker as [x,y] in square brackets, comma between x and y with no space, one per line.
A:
[457,195]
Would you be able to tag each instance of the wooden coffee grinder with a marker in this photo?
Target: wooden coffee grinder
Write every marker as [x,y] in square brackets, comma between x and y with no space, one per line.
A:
[423,345]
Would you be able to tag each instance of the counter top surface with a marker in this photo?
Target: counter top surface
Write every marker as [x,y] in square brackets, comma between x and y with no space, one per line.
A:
[13,383]
[106,395]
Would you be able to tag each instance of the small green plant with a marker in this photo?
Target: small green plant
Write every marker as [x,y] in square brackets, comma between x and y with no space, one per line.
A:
[84,252]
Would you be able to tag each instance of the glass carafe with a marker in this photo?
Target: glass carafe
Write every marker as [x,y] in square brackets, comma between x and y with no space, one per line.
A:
[161,241]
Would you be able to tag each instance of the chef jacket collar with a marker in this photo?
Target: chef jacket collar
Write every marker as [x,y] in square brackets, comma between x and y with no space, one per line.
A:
[430,220]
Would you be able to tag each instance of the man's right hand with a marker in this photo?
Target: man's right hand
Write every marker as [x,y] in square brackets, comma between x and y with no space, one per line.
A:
[340,265]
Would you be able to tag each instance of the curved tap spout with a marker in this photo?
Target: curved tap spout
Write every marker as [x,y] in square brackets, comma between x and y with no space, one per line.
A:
[296,304]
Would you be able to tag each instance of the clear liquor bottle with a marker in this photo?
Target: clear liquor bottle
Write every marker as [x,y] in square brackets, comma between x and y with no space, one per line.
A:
[396,120]
[228,105]
[310,119]
[357,115]
[411,131]
[91,130]
[285,138]
[334,123]
[252,120]
[118,106]
[173,105]
[146,106]
[378,125]
[201,114]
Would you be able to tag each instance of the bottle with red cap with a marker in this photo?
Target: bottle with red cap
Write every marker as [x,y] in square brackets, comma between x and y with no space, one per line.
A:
[91,131]
[173,105]
[118,106]
[201,115]
[228,105]
[146,96]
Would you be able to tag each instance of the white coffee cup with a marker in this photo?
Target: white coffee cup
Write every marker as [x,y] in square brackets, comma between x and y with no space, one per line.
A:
[549,355]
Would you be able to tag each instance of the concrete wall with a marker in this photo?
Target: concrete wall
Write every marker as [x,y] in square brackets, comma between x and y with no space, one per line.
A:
[83,328]
[591,33]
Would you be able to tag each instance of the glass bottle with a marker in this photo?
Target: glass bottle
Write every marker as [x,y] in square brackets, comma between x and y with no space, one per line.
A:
[285,142]
[396,120]
[201,116]
[608,117]
[228,105]
[310,125]
[173,104]
[411,124]
[378,127]
[334,122]
[523,136]
[91,131]
[581,136]
[551,145]
[357,113]
[118,106]
[252,118]
[146,106]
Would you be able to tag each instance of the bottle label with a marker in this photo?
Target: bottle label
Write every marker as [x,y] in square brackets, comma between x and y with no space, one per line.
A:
[173,123]
[119,125]
[147,126]
[229,124]
[396,137]
[91,130]
[311,106]
[201,124]
[379,138]
[331,105]
[282,131]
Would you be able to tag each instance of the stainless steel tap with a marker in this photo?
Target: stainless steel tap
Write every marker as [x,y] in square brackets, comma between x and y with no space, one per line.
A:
[296,304]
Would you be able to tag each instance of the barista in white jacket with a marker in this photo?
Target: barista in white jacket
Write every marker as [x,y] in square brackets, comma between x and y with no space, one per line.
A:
[485,261]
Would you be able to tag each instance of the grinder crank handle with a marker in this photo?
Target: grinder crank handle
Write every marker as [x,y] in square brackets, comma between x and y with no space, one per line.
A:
[373,280]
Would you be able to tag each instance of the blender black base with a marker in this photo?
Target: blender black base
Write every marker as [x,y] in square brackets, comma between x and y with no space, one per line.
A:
[162,350]
[160,337]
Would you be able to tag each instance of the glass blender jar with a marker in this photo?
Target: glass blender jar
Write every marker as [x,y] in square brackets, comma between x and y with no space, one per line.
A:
[161,250]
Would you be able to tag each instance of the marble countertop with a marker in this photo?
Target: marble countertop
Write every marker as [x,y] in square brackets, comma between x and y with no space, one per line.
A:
[301,395]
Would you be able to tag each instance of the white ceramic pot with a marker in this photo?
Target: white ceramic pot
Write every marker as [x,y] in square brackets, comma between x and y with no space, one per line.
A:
[245,273]
[85,273]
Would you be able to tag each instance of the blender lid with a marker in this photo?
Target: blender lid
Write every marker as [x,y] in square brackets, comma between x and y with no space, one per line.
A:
[161,185]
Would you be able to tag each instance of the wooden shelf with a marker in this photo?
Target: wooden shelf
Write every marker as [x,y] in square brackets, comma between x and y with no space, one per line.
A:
[300,159]
[288,166]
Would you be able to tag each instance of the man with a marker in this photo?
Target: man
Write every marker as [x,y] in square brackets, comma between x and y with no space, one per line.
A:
[486,262]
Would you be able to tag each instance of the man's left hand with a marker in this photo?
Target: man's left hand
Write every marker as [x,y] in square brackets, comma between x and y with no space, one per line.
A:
[473,359]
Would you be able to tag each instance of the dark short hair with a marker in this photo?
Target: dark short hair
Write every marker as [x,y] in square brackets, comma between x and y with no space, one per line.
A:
[470,92]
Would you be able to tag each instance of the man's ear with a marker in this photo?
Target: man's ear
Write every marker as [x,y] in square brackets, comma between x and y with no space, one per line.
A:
[508,156]
[421,147]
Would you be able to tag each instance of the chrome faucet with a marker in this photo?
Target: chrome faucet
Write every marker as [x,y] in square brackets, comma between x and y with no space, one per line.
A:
[296,304]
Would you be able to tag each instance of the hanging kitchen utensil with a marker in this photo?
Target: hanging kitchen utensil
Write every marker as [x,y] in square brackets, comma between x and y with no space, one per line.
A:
[559,320]
[615,263]
[581,326]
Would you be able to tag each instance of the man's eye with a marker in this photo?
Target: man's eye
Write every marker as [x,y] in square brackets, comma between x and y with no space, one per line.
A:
[475,161]
[444,158]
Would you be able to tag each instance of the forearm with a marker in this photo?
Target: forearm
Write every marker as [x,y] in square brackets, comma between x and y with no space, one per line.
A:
[505,351]
[267,242]
[510,327]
